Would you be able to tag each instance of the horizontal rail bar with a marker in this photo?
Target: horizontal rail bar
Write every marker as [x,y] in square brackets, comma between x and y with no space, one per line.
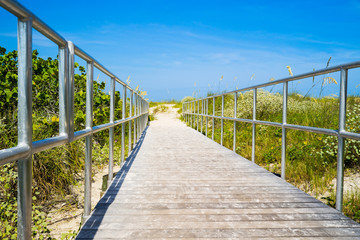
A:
[48,143]
[267,123]
[23,13]
[82,133]
[12,154]
[102,127]
[86,132]
[15,153]
[351,135]
[312,129]
[331,132]
[117,122]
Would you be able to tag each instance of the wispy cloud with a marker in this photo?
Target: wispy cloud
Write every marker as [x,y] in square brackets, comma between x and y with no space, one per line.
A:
[225,58]
[9,34]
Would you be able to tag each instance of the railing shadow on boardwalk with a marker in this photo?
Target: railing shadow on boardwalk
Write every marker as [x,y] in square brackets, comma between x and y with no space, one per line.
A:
[90,227]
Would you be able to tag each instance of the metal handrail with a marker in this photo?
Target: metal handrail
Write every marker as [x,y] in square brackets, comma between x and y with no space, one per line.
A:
[191,115]
[22,153]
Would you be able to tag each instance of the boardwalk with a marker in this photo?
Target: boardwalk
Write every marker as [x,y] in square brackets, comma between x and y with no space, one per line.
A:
[180,184]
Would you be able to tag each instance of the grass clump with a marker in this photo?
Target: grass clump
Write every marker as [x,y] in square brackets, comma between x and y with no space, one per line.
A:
[311,158]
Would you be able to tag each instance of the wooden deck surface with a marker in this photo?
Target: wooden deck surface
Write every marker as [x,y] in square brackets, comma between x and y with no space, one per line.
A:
[180,184]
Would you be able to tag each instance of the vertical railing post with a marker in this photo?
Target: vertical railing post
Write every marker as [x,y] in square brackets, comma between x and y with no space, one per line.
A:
[213,119]
[142,117]
[197,116]
[188,111]
[24,127]
[207,113]
[139,118]
[88,139]
[130,124]
[135,119]
[189,114]
[341,140]
[71,90]
[254,126]
[202,114]
[182,111]
[235,113]
[193,114]
[185,113]
[111,132]
[283,135]
[63,90]
[222,120]
[186,116]
[123,125]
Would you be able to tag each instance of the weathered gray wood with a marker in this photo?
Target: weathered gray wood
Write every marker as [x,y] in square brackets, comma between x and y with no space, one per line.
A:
[182,185]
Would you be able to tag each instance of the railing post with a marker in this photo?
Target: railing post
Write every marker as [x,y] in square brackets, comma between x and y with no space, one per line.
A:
[142,117]
[193,115]
[139,118]
[24,127]
[222,120]
[111,132]
[213,119]
[254,126]
[185,113]
[123,126]
[341,140]
[88,139]
[235,112]
[197,116]
[71,91]
[202,114]
[188,113]
[63,90]
[207,113]
[283,135]
[130,123]
[135,114]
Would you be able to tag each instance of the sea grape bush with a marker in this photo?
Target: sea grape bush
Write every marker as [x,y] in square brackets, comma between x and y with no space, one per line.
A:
[54,170]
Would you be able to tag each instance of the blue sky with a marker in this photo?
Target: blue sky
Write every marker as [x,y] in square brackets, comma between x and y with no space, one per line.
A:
[168,47]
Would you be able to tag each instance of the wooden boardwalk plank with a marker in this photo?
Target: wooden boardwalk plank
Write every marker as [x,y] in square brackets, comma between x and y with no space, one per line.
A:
[179,184]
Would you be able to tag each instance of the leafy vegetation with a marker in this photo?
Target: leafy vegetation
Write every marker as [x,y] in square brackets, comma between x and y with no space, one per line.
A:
[55,171]
[311,158]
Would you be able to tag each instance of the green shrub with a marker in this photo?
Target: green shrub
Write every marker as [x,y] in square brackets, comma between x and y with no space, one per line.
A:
[57,169]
